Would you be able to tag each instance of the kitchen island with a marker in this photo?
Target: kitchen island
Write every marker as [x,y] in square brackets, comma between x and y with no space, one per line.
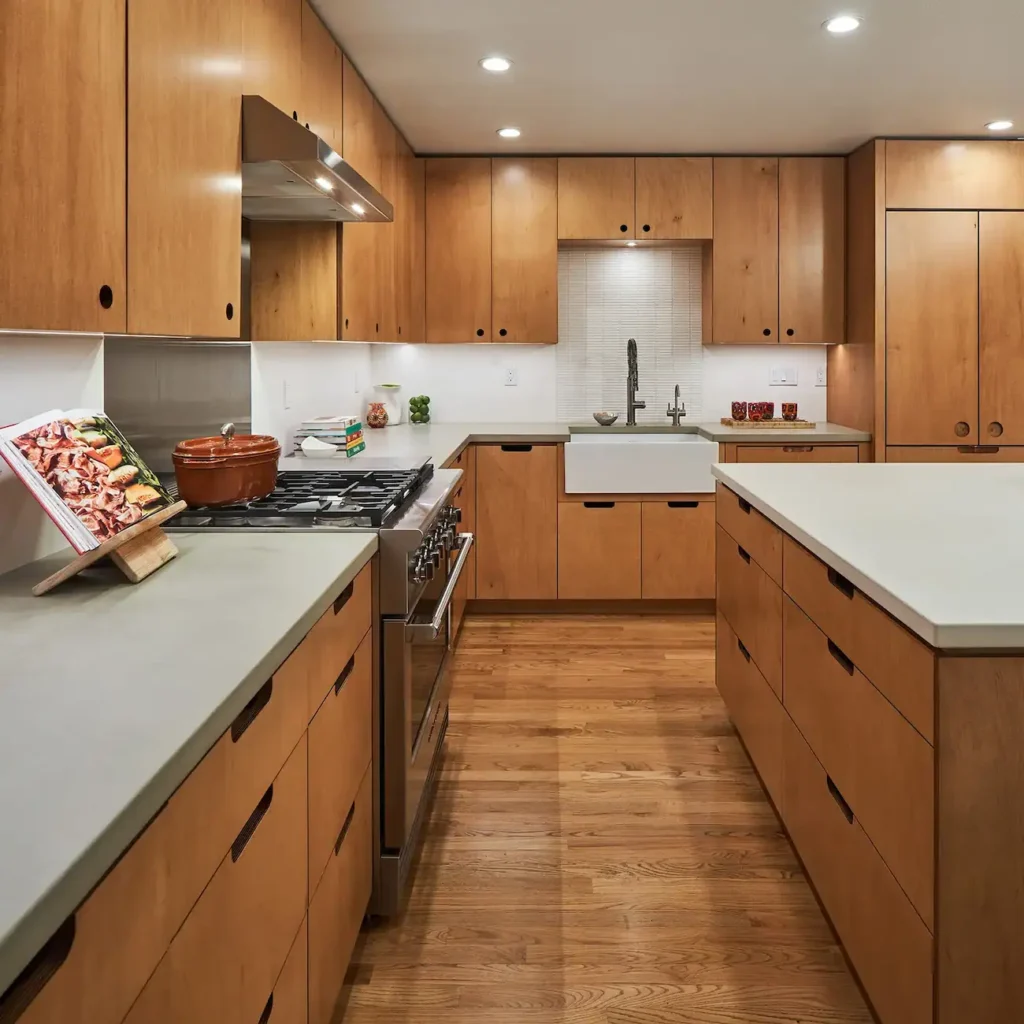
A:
[870,649]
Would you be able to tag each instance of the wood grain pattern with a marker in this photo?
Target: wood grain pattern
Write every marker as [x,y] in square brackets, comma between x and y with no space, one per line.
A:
[596,196]
[274,57]
[812,249]
[359,134]
[62,165]
[458,249]
[404,230]
[678,557]
[746,250]
[599,849]
[144,554]
[751,530]
[289,1005]
[294,280]
[361,293]
[418,267]
[674,197]
[517,523]
[322,77]
[932,328]
[184,167]
[980,453]
[599,551]
[955,175]
[1001,312]
[797,453]
[386,235]
[524,250]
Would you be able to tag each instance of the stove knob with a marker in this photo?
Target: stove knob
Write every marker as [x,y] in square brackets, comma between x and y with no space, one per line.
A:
[435,556]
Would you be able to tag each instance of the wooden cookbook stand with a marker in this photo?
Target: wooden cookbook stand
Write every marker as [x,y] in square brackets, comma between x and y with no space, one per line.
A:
[137,552]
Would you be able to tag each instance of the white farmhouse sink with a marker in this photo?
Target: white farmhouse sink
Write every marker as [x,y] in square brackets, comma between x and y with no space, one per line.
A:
[639,464]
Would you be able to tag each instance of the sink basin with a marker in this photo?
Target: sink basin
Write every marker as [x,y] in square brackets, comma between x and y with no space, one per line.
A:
[637,463]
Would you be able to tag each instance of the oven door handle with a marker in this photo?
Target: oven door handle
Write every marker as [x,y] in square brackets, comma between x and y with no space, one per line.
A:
[432,629]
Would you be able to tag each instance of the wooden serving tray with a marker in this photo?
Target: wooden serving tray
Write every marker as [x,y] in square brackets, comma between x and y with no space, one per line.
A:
[770,424]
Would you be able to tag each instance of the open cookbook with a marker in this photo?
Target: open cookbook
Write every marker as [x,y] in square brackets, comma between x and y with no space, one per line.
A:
[89,480]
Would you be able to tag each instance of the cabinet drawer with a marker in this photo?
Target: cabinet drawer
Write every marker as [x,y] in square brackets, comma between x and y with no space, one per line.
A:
[884,768]
[885,939]
[339,751]
[121,931]
[678,550]
[756,534]
[899,664]
[796,453]
[752,604]
[337,908]
[287,1003]
[753,706]
[231,948]
[599,550]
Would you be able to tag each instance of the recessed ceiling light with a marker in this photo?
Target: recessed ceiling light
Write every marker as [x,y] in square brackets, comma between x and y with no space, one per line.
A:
[356,208]
[325,183]
[842,23]
[999,126]
[496,64]
[631,244]
[509,133]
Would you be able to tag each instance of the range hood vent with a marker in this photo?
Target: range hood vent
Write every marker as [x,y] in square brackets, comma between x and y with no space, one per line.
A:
[288,173]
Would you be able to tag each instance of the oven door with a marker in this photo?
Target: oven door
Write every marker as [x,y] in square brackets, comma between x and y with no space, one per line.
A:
[416,687]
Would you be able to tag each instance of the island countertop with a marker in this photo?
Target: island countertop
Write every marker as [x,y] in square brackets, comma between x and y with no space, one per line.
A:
[940,547]
[110,694]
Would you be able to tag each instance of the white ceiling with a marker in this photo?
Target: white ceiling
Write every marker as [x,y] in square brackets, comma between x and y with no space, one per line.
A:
[684,76]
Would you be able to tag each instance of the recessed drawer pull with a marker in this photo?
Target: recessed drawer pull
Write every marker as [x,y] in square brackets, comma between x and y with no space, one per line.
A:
[41,968]
[344,829]
[517,447]
[683,504]
[599,504]
[252,824]
[841,583]
[342,599]
[797,448]
[840,657]
[744,505]
[838,797]
[268,1010]
[978,449]
[743,650]
[345,673]
[743,554]
[249,713]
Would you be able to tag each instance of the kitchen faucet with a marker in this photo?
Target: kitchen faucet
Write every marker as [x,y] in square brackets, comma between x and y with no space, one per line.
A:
[632,383]
[676,411]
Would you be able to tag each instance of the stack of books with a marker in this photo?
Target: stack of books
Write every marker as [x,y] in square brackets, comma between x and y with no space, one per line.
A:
[344,432]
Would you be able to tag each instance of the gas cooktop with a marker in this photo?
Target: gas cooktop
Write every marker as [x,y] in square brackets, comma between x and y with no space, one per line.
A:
[339,498]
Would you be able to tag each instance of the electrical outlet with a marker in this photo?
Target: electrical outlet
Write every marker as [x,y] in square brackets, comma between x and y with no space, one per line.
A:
[511,377]
[783,376]
[821,379]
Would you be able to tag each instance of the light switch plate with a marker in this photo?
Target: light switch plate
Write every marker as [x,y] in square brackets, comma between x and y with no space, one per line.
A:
[784,376]
[821,379]
[511,378]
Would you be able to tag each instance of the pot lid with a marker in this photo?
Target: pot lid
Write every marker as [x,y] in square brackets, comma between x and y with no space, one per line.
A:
[227,444]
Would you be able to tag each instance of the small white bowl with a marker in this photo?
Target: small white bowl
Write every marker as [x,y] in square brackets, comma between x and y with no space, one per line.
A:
[606,419]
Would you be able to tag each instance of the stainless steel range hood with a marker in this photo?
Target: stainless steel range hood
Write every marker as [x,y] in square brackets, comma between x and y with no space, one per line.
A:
[288,173]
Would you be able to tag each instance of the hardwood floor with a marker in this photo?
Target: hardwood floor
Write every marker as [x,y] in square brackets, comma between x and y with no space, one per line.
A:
[600,850]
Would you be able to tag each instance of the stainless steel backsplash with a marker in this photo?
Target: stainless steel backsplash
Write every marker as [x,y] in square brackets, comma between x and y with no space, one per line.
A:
[160,391]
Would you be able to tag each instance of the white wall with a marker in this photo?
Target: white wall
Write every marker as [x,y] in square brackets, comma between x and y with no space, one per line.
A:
[37,373]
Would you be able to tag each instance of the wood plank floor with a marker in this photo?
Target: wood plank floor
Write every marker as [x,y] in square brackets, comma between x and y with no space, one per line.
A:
[600,850]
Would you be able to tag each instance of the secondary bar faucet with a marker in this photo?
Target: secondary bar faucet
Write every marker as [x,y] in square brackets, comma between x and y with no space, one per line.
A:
[632,383]
[676,411]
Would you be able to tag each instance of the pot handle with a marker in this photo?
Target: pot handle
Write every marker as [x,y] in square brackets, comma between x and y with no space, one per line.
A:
[227,432]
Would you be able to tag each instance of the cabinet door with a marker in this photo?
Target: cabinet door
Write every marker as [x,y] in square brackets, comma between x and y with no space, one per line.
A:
[678,549]
[954,174]
[745,254]
[359,145]
[610,528]
[274,53]
[673,197]
[1001,365]
[360,290]
[385,235]
[812,247]
[524,249]
[796,453]
[62,107]
[596,196]
[458,248]
[931,297]
[516,521]
[184,168]
[322,107]
[417,296]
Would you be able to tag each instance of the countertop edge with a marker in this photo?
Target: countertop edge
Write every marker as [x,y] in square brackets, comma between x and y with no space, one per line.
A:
[28,935]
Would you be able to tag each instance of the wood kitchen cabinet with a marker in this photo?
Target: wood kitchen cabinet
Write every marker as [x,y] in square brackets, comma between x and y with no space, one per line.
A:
[678,561]
[458,249]
[62,106]
[524,249]
[674,197]
[385,235]
[360,125]
[517,521]
[322,108]
[745,255]
[274,52]
[954,174]
[586,528]
[596,197]
[184,168]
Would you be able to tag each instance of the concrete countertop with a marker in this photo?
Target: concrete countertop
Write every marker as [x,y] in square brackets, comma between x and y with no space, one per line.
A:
[822,433]
[939,547]
[110,694]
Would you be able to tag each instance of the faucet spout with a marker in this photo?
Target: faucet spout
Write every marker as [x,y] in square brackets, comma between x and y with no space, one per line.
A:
[632,383]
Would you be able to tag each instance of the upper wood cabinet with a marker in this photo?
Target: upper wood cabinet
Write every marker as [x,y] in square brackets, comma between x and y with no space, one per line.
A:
[360,145]
[408,243]
[812,230]
[184,167]
[954,175]
[322,106]
[385,235]
[272,33]
[596,197]
[458,249]
[418,255]
[932,328]
[673,197]
[62,166]
[524,249]
[746,250]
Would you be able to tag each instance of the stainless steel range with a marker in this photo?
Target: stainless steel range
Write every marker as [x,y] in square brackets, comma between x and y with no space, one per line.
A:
[422,555]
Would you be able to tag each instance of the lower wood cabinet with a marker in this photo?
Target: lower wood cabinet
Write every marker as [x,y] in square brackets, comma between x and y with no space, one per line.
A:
[599,550]
[678,550]
[796,453]
[464,499]
[964,453]
[287,1003]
